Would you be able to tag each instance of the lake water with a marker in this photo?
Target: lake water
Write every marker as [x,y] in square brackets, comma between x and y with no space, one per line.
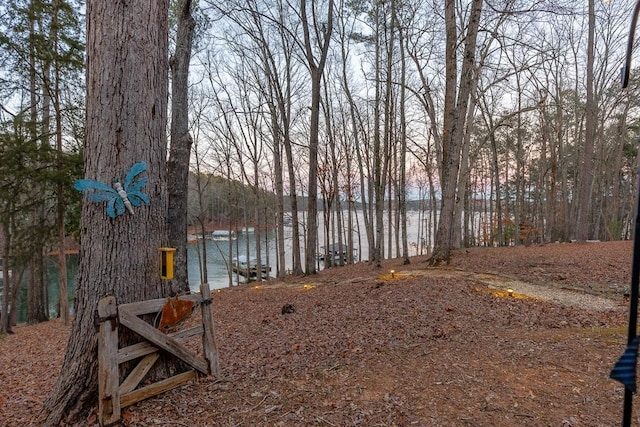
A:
[51,277]
[218,251]
[217,260]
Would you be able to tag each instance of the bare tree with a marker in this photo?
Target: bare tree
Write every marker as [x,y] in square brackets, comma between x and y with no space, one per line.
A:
[127,51]
[180,147]
[456,102]
[402,191]
[585,178]
[322,35]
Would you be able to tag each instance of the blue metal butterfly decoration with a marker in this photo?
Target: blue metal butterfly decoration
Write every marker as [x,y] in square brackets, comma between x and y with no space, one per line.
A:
[119,196]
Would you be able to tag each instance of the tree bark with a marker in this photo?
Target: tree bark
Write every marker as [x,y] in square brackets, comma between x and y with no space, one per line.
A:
[127,49]
[455,113]
[180,147]
[316,69]
[35,295]
[7,281]
[375,198]
[584,183]
[60,199]
[38,132]
[402,196]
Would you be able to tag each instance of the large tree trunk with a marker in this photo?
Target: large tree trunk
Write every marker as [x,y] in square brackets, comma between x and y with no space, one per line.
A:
[383,160]
[126,123]
[293,197]
[280,253]
[402,196]
[316,69]
[455,114]
[448,178]
[35,302]
[60,199]
[7,283]
[376,195]
[180,147]
[35,295]
[583,229]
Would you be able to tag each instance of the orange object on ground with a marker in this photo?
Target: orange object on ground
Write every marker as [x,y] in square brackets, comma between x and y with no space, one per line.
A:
[174,312]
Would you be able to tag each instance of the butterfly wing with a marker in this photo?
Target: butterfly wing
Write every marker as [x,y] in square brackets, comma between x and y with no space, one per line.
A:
[133,183]
[95,190]
[98,192]
[119,206]
[137,185]
[111,208]
[137,198]
[115,207]
[135,170]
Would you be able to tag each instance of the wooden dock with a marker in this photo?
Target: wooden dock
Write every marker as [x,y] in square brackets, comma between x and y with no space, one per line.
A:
[251,273]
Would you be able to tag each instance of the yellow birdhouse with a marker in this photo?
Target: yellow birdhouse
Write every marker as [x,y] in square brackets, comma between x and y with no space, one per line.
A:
[166,263]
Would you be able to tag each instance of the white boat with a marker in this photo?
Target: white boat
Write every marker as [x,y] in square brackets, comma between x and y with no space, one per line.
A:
[223,235]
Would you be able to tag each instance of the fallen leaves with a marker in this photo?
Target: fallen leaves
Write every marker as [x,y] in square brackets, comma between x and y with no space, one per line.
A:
[364,349]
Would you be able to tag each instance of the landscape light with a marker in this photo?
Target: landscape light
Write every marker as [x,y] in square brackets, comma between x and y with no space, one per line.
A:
[510,292]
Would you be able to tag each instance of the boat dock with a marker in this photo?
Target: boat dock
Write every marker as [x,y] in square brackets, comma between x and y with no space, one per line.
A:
[248,268]
[252,272]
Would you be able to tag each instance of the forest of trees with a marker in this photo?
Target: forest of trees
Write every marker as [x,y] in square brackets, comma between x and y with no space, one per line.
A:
[516,126]
[41,132]
[504,118]
[492,114]
[503,121]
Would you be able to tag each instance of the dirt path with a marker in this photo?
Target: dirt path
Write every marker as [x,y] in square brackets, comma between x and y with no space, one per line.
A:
[548,292]
[542,292]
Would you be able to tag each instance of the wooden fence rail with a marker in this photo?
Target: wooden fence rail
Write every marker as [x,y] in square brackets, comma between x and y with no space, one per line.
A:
[115,395]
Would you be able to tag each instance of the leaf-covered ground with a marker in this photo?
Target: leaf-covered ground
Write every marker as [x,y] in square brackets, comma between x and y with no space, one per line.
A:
[422,347]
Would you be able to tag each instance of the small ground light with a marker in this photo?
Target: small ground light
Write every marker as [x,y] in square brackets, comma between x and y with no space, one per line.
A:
[510,292]
[393,273]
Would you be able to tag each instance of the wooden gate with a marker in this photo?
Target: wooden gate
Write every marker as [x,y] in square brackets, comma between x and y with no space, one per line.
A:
[114,395]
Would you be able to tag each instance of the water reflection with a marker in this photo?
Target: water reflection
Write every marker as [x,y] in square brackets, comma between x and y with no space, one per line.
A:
[51,282]
[221,249]
[222,252]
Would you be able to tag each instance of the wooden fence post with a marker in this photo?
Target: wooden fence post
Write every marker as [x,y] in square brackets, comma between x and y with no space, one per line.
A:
[113,396]
[108,374]
[208,338]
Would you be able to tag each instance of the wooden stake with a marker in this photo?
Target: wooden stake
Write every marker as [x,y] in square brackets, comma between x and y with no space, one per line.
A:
[208,338]
[108,375]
